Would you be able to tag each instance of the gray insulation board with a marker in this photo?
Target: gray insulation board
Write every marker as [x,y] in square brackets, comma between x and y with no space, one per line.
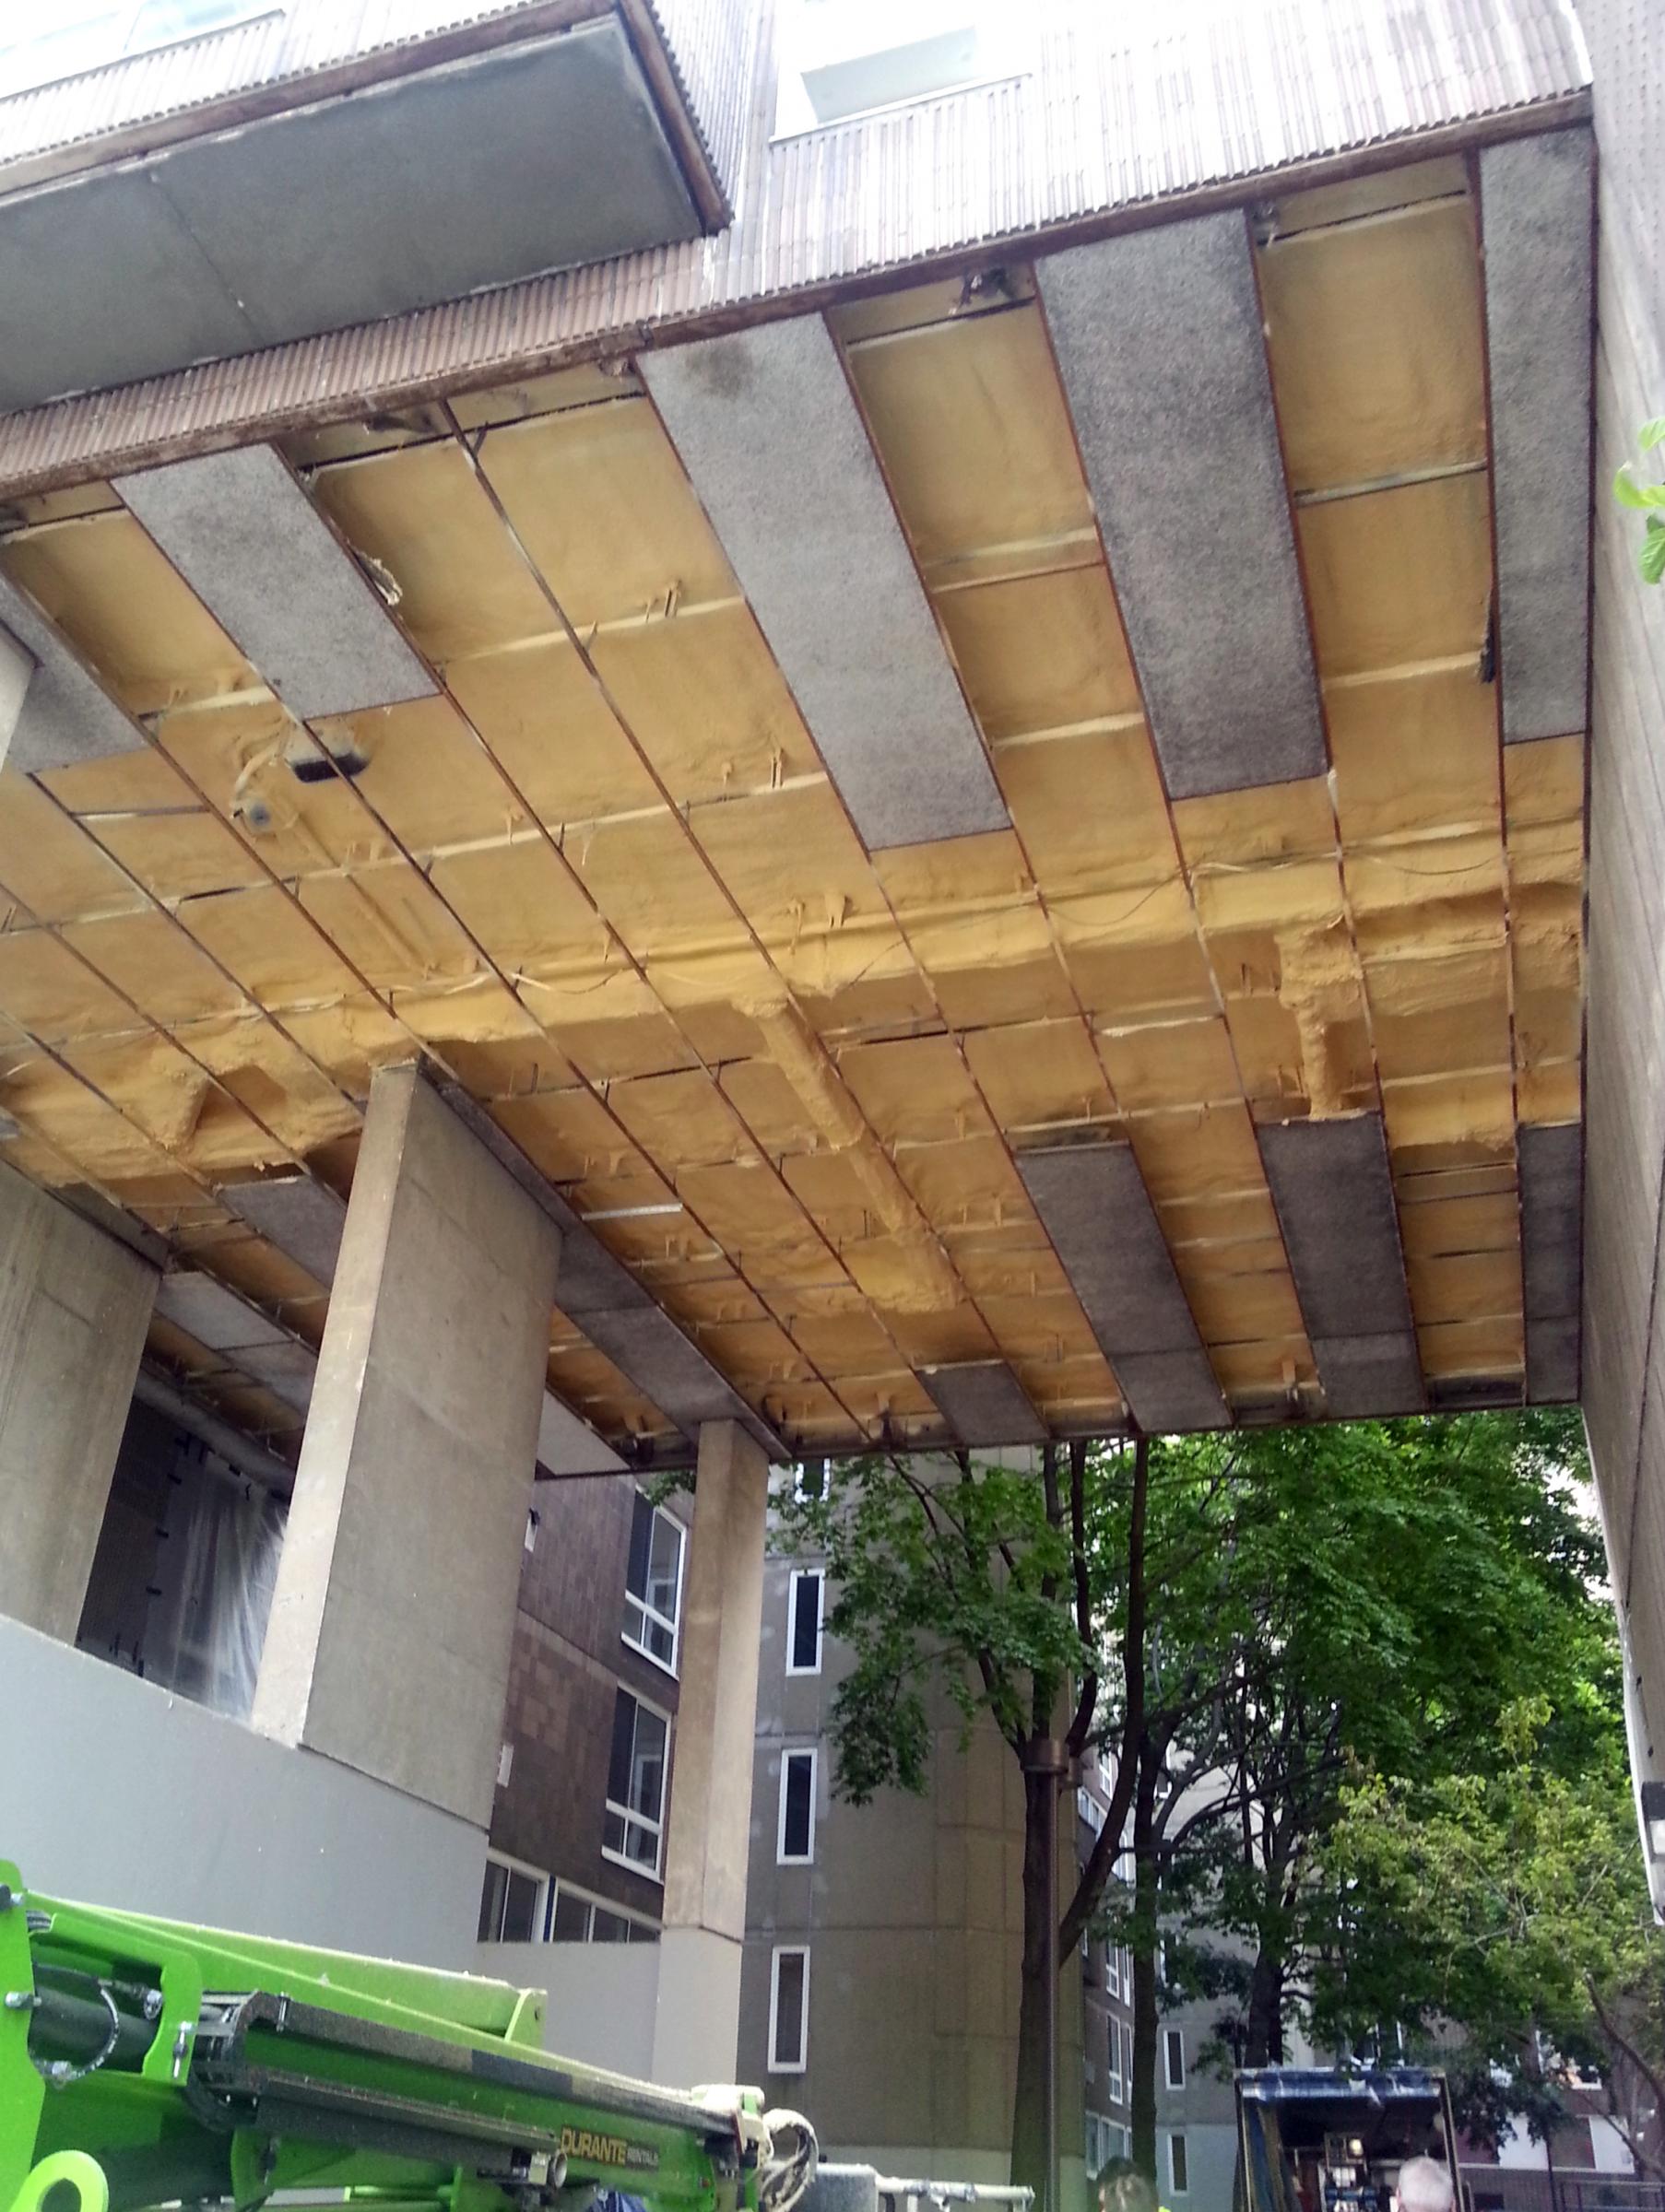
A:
[1536,214]
[301,1217]
[1093,1205]
[769,433]
[1158,338]
[287,1370]
[213,1315]
[984,1402]
[1551,1230]
[263,561]
[66,715]
[1368,1378]
[1334,1189]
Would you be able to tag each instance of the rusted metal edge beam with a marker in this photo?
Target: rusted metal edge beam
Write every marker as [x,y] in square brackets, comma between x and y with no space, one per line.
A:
[138,425]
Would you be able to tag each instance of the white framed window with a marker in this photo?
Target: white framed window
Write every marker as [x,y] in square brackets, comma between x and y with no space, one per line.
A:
[578,1916]
[1113,1969]
[1113,2078]
[1179,2170]
[809,1480]
[634,1827]
[514,1901]
[652,1583]
[1174,2057]
[790,2008]
[804,1621]
[1128,2055]
[1101,2144]
[794,1835]
[856,56]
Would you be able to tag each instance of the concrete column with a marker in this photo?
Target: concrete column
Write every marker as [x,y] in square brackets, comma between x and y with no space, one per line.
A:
[697,2026]
[391,1624]
[73,1308]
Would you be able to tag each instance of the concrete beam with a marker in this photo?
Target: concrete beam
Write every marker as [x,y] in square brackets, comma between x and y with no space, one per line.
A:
[388,1644]
[697,2027]
[74,1309]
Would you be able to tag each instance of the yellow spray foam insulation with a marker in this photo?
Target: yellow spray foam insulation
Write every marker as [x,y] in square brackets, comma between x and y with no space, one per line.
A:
[700,692]
[1235,829]
[1162,980]
[1374,335]
[1434,1228]
[915,1090]
[260,1272]
[1284,897]
[1457,1287]
[1490,1345]
[438,548]
[1474,1110]
[179,855]
[944,298]
[1400,186]
[1399,578]
[722,1299]
[510,1066]
[1550,1092]
[1089,807]
[1210,1222]
[332,441]
[551,728]
[986,385]
[114,593]
[1036,1076]
[957,878]
[1415,755]
[804,1061]
[1241,1308]
[1427,883]
[48,865]
[757,1354]
[958,1333]
[1166,1064]
[1200,1152]
[1263,1371]
[599,499]
[1543,781]
[1049,1324]
[606,1051]
[586,384]
[1039,652]
[1321,985]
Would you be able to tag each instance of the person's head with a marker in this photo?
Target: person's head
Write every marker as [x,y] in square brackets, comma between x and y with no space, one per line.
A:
[1123,2188]
[1425,2185]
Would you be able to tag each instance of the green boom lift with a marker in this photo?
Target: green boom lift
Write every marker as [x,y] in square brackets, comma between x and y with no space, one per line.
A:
[148,2061]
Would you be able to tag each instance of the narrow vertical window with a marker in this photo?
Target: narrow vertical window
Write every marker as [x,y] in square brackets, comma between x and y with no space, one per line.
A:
[789,2010]
[795,1843]
[653,1584]
[803,1622]
[633,1831]
[1179,2172]
[1173,2045]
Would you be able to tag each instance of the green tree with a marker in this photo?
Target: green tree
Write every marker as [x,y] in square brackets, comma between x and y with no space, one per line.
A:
[1502,1917]
[1224,1621]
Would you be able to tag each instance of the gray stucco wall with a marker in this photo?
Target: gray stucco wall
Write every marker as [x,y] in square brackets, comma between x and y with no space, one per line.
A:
[912,1913]
[117,1793]
[1624,1318]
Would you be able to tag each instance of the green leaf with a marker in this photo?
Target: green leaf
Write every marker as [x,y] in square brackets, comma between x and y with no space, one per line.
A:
[1629,493]
[1651,560]
[1652,434]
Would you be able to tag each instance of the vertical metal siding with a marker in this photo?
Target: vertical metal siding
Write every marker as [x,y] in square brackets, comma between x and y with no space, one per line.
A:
[1108,119]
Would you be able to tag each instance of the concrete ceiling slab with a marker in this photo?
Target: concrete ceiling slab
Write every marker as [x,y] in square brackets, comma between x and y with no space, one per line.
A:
[568,1446]
[769,433]
[214,1315]
[442,182]
[663,1363]
[1551,1221]
[1332,1187]
[1158,338]
[263,561]
[984,1404]
[65,716]
[1537,212]
[301,1217]
[1093,1205]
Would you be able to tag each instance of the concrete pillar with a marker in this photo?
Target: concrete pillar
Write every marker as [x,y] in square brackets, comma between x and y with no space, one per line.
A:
[73,1308]
[697,2026]
[391,1624]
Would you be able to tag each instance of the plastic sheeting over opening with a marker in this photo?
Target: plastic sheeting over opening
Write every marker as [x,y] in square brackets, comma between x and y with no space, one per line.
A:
[207,1627]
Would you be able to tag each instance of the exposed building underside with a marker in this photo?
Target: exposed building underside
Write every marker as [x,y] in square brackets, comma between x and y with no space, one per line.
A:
[1006,854]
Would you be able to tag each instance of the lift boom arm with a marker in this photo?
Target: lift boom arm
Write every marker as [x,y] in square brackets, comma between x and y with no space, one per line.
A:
[146,2061]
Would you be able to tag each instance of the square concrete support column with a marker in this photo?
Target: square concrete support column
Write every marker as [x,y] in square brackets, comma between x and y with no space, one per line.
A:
[697,2028]
[73,1308]
[391,1624]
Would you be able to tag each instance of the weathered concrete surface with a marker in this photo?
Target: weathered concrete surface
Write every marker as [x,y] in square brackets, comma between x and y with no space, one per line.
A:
[117,1791]
[74,1309]
[391,1626]
[696,2033]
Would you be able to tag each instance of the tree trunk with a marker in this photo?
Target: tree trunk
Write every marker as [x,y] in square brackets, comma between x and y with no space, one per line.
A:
[1029,2109]
[1263,2028]
[1142,2089]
